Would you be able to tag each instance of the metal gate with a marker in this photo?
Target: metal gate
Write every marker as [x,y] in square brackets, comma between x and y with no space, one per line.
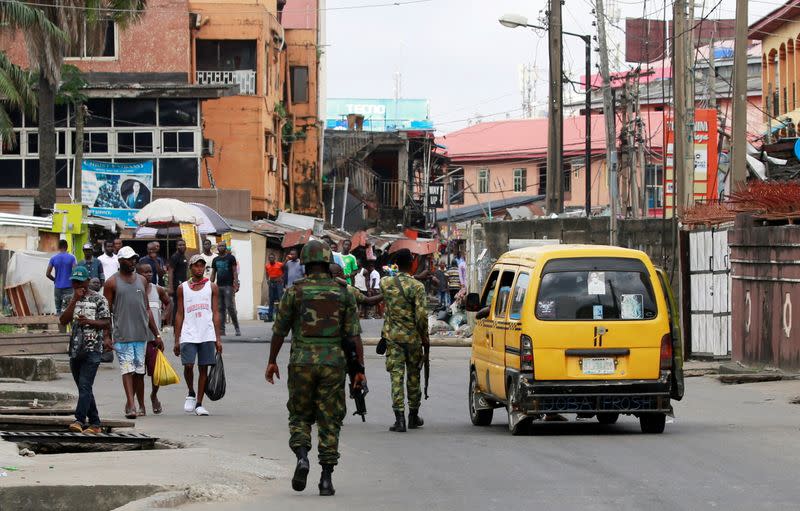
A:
[710,274]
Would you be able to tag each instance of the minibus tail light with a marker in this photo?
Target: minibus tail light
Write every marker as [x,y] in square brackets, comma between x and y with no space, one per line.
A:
[666,352]
[526,353]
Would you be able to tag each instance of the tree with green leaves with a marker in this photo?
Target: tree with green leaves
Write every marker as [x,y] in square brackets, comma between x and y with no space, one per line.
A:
[72,26]
[16,93]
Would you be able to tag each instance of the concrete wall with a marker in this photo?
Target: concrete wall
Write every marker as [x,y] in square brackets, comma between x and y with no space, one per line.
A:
[653,236]
[765,287]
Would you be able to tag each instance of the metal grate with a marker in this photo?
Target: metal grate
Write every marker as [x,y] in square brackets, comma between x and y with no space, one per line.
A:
[61,437]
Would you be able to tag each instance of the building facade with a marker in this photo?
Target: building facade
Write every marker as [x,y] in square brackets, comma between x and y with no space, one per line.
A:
[199,88]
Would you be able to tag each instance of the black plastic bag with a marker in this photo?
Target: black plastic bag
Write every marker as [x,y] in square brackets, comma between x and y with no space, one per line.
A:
[380,349]
[215,386]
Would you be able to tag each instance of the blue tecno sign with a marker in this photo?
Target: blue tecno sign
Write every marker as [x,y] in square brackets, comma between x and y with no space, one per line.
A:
[380,114]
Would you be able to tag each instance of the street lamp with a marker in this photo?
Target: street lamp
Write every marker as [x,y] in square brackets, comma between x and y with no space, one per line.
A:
[517,20]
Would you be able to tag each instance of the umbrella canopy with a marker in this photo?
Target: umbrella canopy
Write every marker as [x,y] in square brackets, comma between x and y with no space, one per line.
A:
[209,222]
[166,212]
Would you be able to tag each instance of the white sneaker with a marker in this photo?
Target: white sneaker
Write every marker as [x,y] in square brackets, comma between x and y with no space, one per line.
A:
[189,404]
[200,410]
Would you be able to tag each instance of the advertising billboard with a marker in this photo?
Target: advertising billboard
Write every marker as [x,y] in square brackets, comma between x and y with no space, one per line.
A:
[380,114]
[116,190]
[706,159]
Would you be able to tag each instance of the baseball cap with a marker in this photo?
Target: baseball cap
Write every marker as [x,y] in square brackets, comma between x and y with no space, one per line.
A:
[127,253]
[80,273]
[87,246]
[196,259]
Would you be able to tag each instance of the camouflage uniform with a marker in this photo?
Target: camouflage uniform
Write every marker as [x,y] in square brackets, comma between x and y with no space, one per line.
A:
[319,312]
[405,329]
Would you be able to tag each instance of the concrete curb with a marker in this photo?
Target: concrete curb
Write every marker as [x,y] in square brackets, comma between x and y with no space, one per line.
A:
[161,500]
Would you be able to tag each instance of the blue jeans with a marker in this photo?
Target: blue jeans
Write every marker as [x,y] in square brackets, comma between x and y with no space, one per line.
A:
[275,295]
[444,298]
[84,369]
[62,296]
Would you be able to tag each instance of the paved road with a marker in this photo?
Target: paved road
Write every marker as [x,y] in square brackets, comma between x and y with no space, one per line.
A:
[730,447]
[261,330]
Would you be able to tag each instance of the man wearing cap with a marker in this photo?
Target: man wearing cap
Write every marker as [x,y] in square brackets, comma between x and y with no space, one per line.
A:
[88,312]
[91,263]
[197,331]
[126,292]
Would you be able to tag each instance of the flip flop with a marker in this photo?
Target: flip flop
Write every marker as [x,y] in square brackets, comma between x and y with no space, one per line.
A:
[156,406]
[130,413]
[142,412]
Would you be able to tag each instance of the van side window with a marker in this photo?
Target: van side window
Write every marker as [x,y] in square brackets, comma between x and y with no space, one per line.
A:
[501,304]
[518,298]
[488,289]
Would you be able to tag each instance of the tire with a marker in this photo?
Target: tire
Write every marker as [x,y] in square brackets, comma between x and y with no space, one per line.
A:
[607,418]
[522,425]
[478,417]
[652,423]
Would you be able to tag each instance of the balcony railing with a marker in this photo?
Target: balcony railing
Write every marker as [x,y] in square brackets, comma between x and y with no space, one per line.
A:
[246,80]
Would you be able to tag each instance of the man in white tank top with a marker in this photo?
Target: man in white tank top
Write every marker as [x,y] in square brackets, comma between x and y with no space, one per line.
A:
[197,331]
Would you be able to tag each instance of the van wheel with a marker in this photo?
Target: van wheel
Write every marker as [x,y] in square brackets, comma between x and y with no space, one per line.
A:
[478,417]
[607,418]
[652,423]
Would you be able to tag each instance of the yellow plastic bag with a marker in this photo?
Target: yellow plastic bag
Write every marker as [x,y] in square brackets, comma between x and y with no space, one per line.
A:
[163,374]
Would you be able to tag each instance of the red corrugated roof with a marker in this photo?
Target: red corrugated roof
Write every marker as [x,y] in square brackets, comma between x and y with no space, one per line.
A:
[527,138]
[299,14]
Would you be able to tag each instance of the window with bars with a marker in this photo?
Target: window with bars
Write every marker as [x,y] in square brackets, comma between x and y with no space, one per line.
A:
[654,183]
[483,180]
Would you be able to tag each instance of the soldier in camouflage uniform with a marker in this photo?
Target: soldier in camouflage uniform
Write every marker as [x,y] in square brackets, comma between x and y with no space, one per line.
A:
[319,313]
[406,330]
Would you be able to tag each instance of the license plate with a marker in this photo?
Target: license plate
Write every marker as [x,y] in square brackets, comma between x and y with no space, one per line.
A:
[598,366]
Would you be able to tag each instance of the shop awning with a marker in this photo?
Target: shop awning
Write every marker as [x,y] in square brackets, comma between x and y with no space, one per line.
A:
[421,247]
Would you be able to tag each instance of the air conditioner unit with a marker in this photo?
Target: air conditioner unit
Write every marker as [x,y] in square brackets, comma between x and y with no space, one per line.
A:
[208,147]
[273,163]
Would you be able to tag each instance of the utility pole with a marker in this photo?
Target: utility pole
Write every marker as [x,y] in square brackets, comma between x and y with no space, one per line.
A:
[688,75]
[679,119]
[738,171]
[555,134]
[608,114]
[711,77]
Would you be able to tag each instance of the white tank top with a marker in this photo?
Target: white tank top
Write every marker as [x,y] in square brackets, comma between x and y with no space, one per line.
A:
[198,318]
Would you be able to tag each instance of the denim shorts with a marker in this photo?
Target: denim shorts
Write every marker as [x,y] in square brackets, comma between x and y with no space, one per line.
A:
[205,353]
[130,356]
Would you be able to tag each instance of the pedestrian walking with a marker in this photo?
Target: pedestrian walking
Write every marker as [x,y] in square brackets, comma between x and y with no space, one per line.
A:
[274,270]
[197,332]
[293,268]
[160,305]
[109,259]
[208,256]
[442,284]
[226,275]
[319,313]
[349,261]
[157,264]
[406,332]
[91,263]
[90,317]
[178,271]
[126,293]
[61,264]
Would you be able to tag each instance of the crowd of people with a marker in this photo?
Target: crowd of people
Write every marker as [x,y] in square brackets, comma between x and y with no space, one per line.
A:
[119,302]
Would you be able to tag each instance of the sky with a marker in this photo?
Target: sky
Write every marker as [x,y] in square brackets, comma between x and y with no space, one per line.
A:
[455,54]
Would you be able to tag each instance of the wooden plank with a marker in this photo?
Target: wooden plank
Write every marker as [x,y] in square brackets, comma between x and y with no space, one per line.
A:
[23,410]
[27,420]
[53,348]
[43,319]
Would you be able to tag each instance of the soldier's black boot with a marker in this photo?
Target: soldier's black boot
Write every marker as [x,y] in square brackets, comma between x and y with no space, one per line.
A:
[301,470]
[399,422]
[414,420]
[326,481]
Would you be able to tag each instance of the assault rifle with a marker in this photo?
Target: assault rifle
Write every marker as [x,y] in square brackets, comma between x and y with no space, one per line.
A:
[353,368]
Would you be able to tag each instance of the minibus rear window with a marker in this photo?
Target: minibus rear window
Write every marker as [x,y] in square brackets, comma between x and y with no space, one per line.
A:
[592,289]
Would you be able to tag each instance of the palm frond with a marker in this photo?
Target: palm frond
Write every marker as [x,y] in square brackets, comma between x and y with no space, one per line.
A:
[18,15]
[7,134]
